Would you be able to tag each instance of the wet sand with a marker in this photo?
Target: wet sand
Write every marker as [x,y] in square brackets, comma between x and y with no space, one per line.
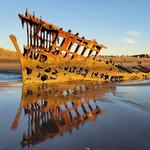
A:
[121,122]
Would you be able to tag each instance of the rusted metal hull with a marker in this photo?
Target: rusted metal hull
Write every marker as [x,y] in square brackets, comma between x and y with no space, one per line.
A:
[54,55]
[58,69]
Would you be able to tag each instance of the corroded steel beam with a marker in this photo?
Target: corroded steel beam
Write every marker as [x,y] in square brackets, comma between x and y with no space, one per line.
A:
[54,32]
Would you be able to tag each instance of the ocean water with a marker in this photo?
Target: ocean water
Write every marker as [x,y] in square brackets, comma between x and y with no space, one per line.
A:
[12,76]
[80,116]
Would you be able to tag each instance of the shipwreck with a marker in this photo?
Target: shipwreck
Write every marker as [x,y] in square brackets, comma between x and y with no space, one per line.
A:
[52,54]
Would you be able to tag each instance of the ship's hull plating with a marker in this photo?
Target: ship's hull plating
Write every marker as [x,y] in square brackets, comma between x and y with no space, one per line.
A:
[59,69]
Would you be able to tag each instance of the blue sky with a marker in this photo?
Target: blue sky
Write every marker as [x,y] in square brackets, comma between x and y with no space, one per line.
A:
[122,25]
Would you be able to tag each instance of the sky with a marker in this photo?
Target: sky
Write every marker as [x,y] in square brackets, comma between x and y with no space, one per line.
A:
[122,25]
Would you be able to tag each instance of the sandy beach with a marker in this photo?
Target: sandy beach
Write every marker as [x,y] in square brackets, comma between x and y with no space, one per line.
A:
[122,117]
[74,116]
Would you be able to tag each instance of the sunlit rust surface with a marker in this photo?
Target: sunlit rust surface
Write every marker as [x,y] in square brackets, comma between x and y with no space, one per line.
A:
[53,110]
[55,55]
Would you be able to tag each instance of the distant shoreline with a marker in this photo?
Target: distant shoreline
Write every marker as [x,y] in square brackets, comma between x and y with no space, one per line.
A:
[9,61]
[10,66]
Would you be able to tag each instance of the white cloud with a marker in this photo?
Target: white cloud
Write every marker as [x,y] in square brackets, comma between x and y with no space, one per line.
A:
[130,41]
[134,33]
[132,37]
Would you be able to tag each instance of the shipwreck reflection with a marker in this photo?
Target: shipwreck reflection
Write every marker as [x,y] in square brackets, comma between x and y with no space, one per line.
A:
[53,110]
